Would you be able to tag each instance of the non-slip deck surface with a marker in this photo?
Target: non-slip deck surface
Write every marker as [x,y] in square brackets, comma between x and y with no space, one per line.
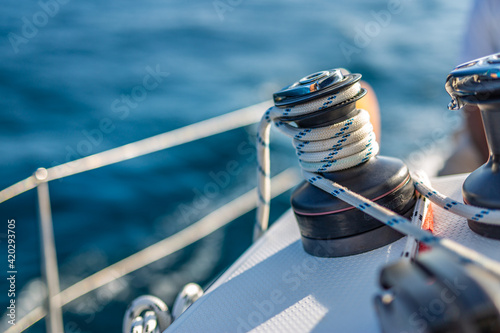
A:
[276,287]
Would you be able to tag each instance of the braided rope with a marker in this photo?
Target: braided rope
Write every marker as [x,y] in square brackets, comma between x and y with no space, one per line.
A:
[401,224]
[483,215]
[344,145]
[325,149]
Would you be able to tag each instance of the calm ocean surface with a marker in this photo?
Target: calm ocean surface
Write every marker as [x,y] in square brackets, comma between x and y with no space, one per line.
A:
[65,85]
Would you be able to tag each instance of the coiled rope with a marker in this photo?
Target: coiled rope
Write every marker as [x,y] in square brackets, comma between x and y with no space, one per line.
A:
[344,145]
[324,149]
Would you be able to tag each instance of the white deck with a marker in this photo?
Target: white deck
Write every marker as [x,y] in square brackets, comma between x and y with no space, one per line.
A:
[276,287]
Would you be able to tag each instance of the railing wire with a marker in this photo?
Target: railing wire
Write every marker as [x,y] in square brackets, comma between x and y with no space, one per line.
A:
[207,225]
[236,119]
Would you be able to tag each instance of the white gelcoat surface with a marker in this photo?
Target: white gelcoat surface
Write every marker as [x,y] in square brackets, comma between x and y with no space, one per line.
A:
[276,287]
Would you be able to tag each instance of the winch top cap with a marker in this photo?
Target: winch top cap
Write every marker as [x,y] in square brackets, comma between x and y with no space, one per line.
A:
[474,82]
[313,86]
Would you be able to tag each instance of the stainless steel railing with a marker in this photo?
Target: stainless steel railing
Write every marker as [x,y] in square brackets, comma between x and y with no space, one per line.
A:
[202,129]
[215,220]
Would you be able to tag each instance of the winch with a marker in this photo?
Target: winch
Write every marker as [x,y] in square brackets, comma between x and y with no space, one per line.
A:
[335,139]
[477,82]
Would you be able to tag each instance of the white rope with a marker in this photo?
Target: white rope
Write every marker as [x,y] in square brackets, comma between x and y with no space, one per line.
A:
[483,215]
[341,146]
[399,223]
[419,215]
[324,149]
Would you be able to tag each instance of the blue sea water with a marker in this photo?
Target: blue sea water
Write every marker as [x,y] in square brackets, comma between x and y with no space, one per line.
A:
[64,81]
